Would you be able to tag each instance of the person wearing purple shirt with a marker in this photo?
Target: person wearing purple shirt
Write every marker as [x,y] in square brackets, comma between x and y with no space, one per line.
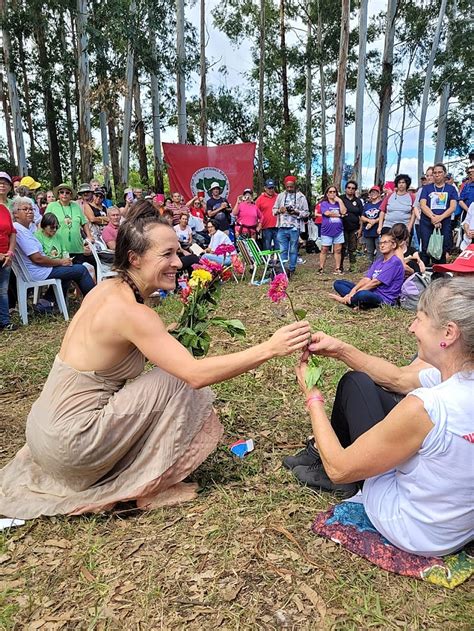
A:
[381,284]
[332,210]
[438,202]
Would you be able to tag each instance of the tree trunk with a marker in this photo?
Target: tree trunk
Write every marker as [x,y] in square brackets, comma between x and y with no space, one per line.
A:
[341,95]
[284,82]
[181,61]
[426,89]
[105,149]
[8,123]
[85,134]
[14,101]
[261,96]
[445,94]
[127,109]
[155,109]
[26,96]
[359,121]
[140,132]
[404,113]
[67,102]
[322,91]
[385,94]
[308,101]
[46,74]
[203,71]
[114,148]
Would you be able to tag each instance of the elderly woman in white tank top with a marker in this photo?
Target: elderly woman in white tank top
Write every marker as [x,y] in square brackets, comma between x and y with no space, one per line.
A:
[416,456]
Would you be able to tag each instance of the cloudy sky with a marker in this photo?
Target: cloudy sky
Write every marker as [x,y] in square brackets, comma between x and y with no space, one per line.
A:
[238,61]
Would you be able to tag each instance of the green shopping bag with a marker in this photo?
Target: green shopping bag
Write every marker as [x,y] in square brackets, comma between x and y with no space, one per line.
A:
[435,244]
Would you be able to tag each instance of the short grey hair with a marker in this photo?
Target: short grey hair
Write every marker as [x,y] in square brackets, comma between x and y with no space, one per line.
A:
[110,208]
[452,300]
[19,201]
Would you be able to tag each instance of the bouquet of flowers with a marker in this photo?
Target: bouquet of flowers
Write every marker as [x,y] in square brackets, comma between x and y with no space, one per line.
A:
[277,292]
[200,297]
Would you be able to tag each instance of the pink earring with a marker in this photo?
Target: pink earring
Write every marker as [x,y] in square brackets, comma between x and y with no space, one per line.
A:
[442,344]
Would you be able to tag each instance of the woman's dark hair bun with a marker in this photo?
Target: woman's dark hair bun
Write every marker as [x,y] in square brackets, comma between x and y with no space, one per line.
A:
[133,233]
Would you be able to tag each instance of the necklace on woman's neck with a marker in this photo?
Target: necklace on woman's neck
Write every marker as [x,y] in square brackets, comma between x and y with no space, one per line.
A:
[436,186]
[126,278]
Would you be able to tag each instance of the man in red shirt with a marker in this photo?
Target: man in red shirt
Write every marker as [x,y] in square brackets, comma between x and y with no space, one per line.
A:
[265,203]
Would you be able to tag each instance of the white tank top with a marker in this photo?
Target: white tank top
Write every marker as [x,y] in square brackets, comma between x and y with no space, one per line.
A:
[426,504]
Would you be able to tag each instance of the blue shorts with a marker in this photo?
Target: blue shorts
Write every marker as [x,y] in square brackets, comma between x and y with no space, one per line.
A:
[328,241]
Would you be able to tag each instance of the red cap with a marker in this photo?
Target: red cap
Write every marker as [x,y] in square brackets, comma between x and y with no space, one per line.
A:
[464,264]
[390,185]
[289,178]
[16,178]
[374,188]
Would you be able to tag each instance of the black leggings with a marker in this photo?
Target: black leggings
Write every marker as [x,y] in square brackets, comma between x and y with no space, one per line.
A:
[359,405]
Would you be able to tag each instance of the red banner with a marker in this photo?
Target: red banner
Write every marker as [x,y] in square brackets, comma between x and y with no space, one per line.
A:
[192,169]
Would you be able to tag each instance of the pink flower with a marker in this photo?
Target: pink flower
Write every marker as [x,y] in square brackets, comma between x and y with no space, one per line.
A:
[224,249]
[237,264]
[278,287]
[209,266]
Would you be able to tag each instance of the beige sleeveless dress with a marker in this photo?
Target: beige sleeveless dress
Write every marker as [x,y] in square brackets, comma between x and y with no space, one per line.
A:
[96,438]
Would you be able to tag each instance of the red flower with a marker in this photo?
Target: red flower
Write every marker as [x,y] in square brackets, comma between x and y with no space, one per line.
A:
[237,264]
[226,274]
[278,287]
[185,293]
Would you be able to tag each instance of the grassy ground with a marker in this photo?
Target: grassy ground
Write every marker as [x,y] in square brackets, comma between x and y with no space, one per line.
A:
[242,556]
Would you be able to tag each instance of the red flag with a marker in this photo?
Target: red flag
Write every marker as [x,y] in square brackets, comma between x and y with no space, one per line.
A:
[193,168]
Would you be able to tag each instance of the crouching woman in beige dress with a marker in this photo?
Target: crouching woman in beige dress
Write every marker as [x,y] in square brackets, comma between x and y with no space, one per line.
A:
[102,430]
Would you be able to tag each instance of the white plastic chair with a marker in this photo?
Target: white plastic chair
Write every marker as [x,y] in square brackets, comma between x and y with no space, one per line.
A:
[103,270]
[25,282]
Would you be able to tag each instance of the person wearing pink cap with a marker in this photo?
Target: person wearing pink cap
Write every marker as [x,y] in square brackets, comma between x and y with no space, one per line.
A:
[7,249]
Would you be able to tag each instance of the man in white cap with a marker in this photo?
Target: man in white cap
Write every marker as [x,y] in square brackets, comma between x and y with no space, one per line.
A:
[218,208]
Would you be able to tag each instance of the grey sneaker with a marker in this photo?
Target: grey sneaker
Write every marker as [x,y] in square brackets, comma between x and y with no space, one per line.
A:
[306,457]
[316,477]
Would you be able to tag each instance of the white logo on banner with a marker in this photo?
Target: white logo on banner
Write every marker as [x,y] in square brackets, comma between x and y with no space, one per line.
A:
[202,179]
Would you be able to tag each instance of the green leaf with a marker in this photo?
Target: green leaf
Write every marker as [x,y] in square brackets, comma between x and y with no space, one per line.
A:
[313,372]
[300,314]
[235,328]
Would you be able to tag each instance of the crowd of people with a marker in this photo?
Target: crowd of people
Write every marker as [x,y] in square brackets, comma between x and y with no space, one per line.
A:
[393,226]
[105,431]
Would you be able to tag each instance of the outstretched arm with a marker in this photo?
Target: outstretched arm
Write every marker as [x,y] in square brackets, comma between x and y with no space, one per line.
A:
[381,371]
[146,331]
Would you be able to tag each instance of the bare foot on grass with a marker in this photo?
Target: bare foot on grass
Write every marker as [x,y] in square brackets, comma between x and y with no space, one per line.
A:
[177,494]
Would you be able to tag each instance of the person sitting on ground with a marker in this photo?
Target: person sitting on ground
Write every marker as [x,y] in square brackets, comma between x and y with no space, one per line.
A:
[109,233]
[177,207]
[184,232]
[104,431]
[407,254]
[397,207]
[332,210]
[248,217]
[197,207]
[370,222]
[380,285]
[415,456]
[217,238]
[39,266]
